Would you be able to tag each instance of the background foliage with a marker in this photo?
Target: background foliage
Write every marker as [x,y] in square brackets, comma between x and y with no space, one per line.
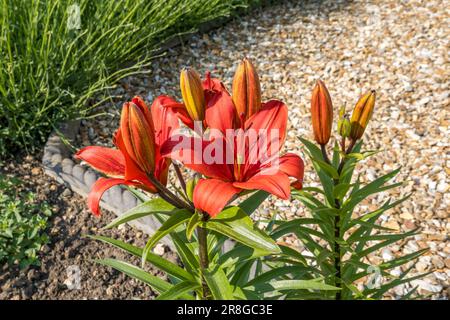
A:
[49,71]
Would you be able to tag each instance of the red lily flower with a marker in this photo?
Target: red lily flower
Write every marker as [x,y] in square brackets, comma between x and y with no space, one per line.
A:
[130,163]
[247,170]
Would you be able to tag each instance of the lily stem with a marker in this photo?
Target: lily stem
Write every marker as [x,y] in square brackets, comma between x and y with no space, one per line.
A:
[324,153]
[337,221]
[180,176]
[204,260]
[168,196]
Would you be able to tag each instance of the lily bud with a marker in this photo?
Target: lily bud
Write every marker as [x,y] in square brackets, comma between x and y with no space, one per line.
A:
[136,126]
[246,90]
[190,186]
[192,93]
[361,115]
[344,126]
[321,113]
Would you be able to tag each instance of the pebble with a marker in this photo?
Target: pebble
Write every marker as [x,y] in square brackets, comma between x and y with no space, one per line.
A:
[159,249]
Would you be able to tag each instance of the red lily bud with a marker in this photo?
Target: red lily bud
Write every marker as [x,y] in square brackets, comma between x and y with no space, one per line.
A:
[321,113]
[246,90]
[361,115]
[138,134]
[192,93]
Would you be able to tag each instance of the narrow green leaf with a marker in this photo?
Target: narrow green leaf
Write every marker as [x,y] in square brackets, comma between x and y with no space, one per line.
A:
[194,221]
[252,203]
[238,254]
[177,218]
[178,290]
[153,206]
[341,190]
[274,274]
[234,223]
[155,282]
[154,259]
[329,169]
[281,285]
[218,283]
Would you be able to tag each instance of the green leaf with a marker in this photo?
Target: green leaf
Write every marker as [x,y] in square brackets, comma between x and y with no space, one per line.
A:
[274,274]
[315,152]
[155,282]
[371,188]
[252,203]
[180,289]
[177,218]
[329,169]
[194,221]
[157,261]
[234,223]
[336,155]
[239,253]
[340,190]
[291,227]
[153,206]
[242,273]
[218,283]
[281,285]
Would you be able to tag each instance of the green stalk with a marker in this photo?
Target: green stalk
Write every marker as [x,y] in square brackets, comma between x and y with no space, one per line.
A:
[202,234]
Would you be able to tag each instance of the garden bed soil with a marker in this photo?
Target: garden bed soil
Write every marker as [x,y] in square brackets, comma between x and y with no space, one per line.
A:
[69,250]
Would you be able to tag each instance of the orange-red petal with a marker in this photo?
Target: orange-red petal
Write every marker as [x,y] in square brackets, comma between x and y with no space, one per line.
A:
[190,151]
[292,165]
[212,195]
[97,191]
[220,111]
[106,160]
[275,183]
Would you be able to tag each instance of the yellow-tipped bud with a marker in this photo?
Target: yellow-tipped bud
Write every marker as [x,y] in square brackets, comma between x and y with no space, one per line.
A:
[192,93]
[246,90]
[361,115]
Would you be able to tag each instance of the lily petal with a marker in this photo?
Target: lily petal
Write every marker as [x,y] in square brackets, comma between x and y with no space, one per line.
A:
[269,128]
[106,160]
[273,115]
[190,151]
[292,165]
[276,183]
[213,84]
[165,118]
[212,195]
[99,187]
[220,111]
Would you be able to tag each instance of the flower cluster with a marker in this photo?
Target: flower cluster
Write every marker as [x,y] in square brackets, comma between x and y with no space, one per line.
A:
[234,144]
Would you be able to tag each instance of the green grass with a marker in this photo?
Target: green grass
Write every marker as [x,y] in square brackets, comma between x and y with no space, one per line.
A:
[23,221]
[49,72]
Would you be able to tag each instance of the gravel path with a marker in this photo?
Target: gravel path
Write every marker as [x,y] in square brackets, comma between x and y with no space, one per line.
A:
[399,48]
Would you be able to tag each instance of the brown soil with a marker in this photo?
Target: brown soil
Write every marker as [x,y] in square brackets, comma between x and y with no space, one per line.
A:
[68,249]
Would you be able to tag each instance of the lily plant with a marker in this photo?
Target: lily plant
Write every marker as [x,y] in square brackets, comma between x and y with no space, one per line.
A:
[225,152]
